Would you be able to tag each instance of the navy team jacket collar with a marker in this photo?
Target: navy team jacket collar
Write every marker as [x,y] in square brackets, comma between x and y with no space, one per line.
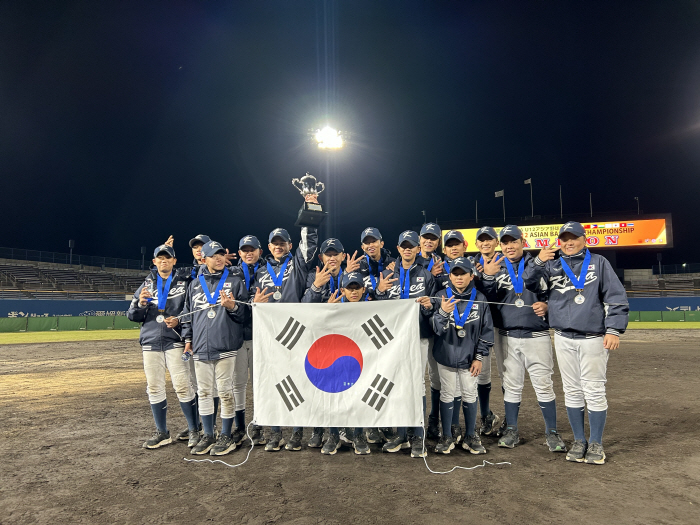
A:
[463,295]
[274,262]
[577,257]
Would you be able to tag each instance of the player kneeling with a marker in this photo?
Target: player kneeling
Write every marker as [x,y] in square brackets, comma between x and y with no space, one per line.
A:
[464,335]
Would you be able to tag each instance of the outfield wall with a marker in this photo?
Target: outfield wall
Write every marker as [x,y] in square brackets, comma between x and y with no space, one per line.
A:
[50,308]
[66,323]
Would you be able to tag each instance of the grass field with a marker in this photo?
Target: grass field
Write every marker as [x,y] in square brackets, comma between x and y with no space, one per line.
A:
[62,337]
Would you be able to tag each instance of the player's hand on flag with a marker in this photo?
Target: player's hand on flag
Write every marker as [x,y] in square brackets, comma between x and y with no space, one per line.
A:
[475,368]
[261,296]
[425,302]
[170,242]
[611,341]
[335,297]
[145,294]
[540,308]
[385,283]
[322,276]
[547,253]
[353,263]
[228,301]
[448,304]
[172,322]
[493,266]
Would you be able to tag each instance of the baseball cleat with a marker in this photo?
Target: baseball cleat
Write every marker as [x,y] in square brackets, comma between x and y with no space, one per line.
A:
[331,446]
[388,433]
[158,439]
[473,444]
[204,445]
[555,442]
[344,439]
[275,442]
[183,435]
[193,438]
[433,429]
[360,444]
[238,436]
[294,442]
[501,429]
[595,454]
[488,424]
[374,436]
[446,444]
[316,439]
[457,434]
[418,449]
[509,439]
[257,436]
[577,452]
[223,446]
[396,444]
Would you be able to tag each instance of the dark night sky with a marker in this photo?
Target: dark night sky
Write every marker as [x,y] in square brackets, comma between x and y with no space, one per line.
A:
[124,122]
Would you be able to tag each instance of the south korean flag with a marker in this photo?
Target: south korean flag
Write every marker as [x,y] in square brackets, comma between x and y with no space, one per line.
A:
[336,365]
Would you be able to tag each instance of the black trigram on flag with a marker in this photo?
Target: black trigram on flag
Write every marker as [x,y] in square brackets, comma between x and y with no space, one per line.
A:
[289,392]
[377,332]
[377,392]
[291,333]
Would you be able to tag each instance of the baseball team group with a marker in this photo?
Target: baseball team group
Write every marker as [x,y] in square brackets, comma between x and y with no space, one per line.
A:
[197,326]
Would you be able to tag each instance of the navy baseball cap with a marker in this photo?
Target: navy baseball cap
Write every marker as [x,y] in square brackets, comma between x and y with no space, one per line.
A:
[332,244]
[164,248]
[370,232]
[510,230]
[454,234]
[281,233]
[249,240]
[409,236]
[352,277]
[463,263]
[572,227]
[431,229]
[199,239]
[487,230]
[212,248]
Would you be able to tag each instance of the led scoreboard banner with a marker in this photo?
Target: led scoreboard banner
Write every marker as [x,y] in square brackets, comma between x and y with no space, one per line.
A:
[646,233]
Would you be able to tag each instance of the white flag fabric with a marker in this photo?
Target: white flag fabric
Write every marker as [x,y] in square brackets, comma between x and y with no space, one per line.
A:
[499,193]
[528,181]
[335,365]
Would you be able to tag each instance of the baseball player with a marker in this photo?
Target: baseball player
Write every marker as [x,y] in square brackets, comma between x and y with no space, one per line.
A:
[486,243]
[520,318]
[281,278]
[429,242]
[464,332]
[588,310]
[376,258]
[249,252]
[213,329]
[155,304]
[410,280]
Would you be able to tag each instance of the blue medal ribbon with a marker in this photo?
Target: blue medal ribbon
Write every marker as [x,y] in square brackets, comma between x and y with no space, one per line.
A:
[246,273]
[461,319]
[335,287]
[205,288]
[405,282]
[432,263]
[277,280]
[380,269]
[517,280]
[446,265]
[163,291]
[580,281]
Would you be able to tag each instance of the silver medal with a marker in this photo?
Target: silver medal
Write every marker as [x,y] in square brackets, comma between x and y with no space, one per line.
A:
[277,295]
[519,302]
[579,299]
[211,314]
[461,333]
[160,318]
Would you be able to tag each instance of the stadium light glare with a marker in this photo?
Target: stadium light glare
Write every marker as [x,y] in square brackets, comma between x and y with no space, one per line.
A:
[329,138]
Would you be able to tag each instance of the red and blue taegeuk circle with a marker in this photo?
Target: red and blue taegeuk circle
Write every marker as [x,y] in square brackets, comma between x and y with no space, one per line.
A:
[333,363]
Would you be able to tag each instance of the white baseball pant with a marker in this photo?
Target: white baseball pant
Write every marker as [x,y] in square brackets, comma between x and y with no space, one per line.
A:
[583,365]
[457,382]
[433,372]
[497,351]
[533,354]
[220,373]
[244,366]
[155,365]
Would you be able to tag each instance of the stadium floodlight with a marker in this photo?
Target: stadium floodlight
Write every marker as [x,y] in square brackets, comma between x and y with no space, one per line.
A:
[329,138]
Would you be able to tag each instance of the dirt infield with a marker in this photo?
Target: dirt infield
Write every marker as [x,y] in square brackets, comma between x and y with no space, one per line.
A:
[75,415]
